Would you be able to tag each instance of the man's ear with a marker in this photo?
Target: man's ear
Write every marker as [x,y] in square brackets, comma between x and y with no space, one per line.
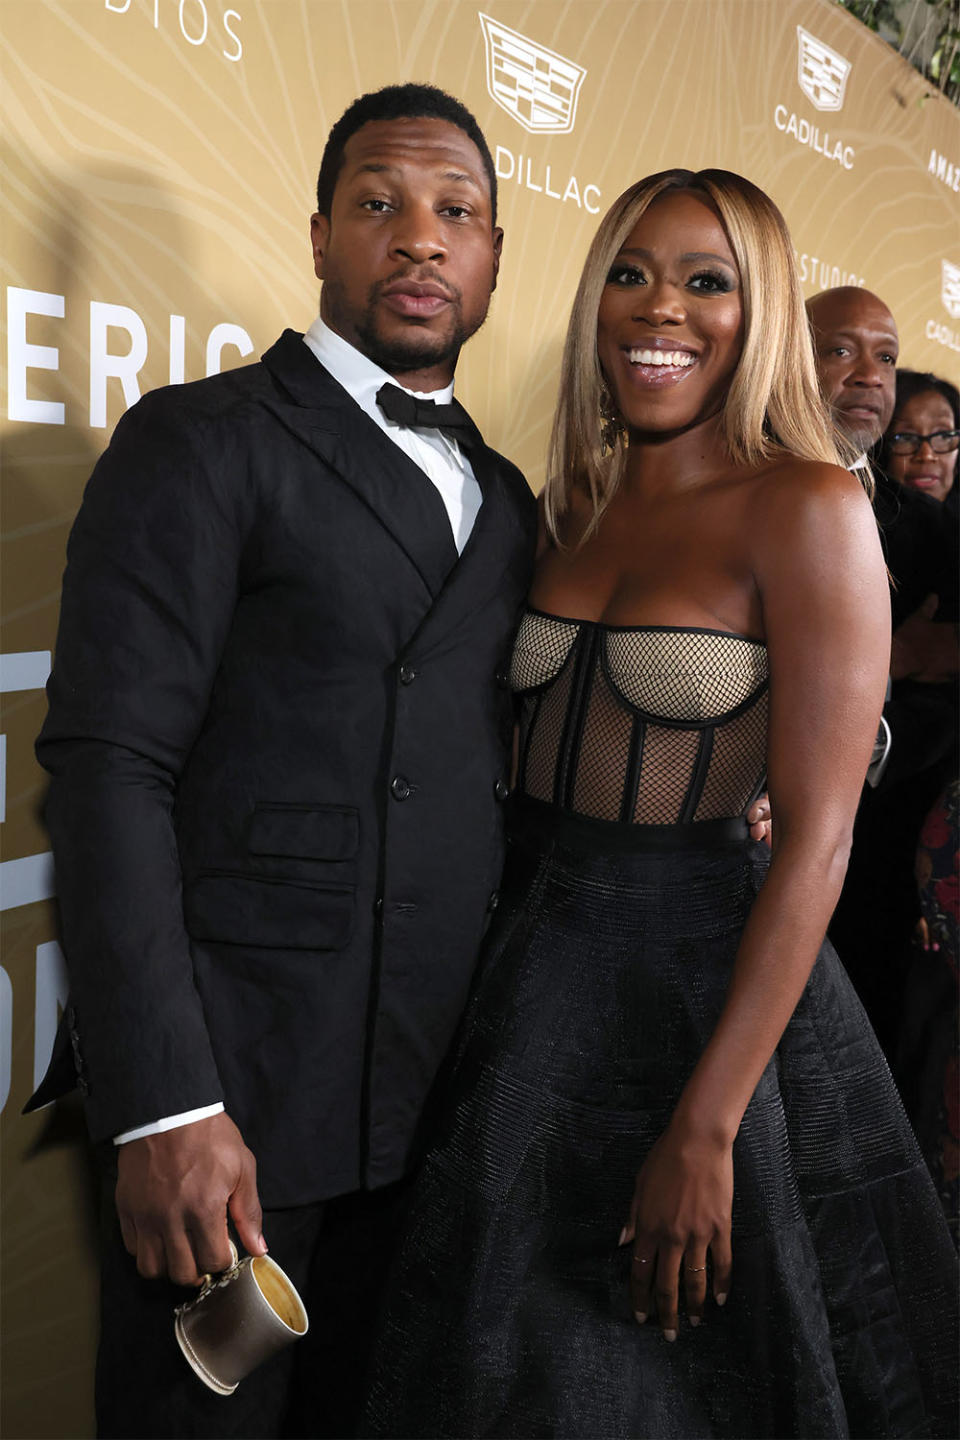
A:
[497,251]
[319,235]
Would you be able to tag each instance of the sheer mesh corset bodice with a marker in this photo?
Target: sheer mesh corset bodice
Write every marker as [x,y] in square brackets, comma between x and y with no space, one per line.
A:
[648,725]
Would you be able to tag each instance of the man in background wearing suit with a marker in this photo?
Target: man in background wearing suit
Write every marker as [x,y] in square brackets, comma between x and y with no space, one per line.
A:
[857,347]
[278,737]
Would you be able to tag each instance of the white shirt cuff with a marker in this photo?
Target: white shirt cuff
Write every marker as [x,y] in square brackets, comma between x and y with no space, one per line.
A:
[170,1122]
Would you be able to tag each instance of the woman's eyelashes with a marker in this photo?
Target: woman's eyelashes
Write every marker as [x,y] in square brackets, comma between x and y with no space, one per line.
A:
[626,275]
[714,282]
[709,282]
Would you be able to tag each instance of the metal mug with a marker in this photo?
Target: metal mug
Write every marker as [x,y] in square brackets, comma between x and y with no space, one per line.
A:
[239,1319]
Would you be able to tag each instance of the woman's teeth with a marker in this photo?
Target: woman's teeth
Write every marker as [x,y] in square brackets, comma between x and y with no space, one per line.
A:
[661,357]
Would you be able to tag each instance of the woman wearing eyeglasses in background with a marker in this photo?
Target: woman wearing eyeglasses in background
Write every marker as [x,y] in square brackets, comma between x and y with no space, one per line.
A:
[920,447]
[920,452]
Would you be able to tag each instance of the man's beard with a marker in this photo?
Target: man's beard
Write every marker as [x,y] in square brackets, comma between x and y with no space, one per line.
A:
[416,350]
[862,436]
[863,441]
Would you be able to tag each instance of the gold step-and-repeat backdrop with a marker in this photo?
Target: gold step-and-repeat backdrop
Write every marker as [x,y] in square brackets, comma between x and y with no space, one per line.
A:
[159,160]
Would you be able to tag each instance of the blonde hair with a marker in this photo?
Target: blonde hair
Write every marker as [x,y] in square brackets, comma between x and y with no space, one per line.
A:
[773,406]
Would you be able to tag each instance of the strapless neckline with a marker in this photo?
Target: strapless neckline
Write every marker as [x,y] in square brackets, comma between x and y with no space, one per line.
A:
[641,724]
[645,629]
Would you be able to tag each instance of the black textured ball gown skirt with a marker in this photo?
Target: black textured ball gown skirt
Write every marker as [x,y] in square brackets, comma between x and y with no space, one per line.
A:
[602,978]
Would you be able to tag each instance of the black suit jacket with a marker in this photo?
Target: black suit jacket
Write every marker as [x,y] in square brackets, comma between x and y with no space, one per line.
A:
[278,735]
[921,546]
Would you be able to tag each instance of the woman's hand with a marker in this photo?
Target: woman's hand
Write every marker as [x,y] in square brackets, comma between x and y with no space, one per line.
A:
[682,1206]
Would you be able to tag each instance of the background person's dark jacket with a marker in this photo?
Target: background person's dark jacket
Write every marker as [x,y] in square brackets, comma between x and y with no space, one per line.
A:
[879,906]
[920,543]
[278,738]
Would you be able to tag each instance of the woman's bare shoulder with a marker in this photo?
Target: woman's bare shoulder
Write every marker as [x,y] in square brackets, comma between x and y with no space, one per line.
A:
[806,518]
[792,491]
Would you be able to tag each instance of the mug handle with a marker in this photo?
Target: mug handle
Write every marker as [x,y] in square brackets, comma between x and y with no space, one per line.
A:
[210,1281]
[206,1281]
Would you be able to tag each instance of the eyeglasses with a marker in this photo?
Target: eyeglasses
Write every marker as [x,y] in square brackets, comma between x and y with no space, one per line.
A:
[906,442]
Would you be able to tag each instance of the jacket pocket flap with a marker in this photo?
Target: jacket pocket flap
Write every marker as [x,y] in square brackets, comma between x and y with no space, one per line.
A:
[274,914]
[300,832]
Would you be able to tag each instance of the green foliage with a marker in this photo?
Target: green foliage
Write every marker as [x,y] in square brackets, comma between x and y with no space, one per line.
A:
[907,24]
[875,13]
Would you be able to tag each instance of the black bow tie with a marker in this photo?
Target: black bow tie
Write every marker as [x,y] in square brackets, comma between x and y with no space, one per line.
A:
[406,409]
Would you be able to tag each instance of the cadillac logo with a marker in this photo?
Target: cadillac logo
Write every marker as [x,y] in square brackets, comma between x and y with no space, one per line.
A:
[950,288]
[538,87]
[822,73]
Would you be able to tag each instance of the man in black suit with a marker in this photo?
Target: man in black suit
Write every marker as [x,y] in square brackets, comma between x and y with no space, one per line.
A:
[278,736]
[857,348]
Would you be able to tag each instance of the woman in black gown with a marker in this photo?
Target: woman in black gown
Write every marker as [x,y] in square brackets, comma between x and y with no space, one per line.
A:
[674,1193]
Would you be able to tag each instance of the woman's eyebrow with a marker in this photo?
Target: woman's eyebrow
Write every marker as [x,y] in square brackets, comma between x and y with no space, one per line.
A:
[690,255]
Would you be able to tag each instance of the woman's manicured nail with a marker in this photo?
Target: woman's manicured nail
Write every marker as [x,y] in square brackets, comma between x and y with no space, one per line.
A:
[623,1236]
[721,1299]
[694,1320]
[670,1335]
[640,1316]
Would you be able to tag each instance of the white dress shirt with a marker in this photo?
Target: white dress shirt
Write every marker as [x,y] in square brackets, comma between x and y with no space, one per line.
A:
[440,458]
[438,454]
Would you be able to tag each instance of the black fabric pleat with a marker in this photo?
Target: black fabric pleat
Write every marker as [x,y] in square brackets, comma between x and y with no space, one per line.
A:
[509,1314]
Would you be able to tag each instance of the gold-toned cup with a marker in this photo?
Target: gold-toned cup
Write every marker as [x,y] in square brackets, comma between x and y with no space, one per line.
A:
[238,1320]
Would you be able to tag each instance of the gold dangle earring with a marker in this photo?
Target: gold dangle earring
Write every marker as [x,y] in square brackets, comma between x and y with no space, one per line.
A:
[611,425]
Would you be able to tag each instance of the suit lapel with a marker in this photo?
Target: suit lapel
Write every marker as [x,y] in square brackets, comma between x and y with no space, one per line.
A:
[493,544]
[321,414]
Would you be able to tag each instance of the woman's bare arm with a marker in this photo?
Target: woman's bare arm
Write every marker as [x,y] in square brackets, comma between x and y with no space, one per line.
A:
[823,587]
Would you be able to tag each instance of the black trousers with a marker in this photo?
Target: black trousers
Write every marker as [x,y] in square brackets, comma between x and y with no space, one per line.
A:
[336,1253]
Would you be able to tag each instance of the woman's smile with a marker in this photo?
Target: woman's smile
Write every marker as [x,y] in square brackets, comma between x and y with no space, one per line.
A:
[658,363]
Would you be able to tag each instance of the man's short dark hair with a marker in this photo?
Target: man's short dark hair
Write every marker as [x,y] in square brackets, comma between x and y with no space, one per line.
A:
[399,102]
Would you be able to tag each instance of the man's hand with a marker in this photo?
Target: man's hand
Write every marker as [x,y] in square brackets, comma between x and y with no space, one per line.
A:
[760,820]
[924,649]
[173,1194]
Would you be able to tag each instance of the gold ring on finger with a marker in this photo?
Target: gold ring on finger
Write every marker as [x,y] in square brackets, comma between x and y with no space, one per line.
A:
[694,1269]
[639,1260]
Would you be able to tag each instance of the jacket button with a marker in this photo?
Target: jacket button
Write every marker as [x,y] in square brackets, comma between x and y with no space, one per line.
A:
[494,900]
[501,789]
[407,674]
[502,679]
[399,788]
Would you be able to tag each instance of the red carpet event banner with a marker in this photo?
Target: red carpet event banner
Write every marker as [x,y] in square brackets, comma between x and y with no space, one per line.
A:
[159,166]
